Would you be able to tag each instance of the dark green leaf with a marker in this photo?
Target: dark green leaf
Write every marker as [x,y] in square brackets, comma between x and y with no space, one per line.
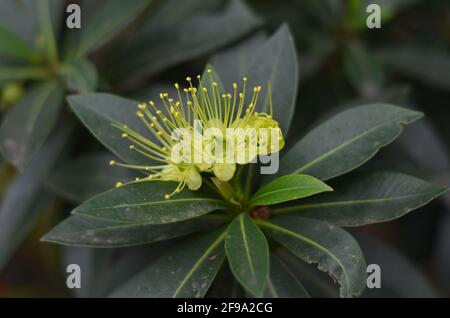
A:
[287,188]
[19,72]
[144,202]
[317,283]
[282,282]
[83,177]
[225,285]
[168,45]
[25,200]
[82,230]
[25,128]
[106,21]
[375,198]
[232,64]
[18,213]
[13,45]
[330,247]
[104,269]
[80,76]
[100,111]
[185,271]
[49,14]
[248,254]
[20,18]
[422,143]
[276,62]
[346,141]
[169,13]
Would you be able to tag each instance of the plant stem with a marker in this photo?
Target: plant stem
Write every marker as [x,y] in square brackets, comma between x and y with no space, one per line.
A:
[248,183]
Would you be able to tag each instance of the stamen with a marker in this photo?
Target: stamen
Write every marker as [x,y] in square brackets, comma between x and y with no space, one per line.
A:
[270,99]
[207,103]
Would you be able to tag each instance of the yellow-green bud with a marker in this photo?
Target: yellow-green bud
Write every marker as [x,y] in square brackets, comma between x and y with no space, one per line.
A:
[224,171]
[12,92]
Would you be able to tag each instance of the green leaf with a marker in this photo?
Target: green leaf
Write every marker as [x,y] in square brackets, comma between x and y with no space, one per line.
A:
[186,271]
[80,75]
[82,230]
[346,141]
[25,200]
[104,269]
[161,46]
[420,144]
[20,72]
[13,45]
[226,190]
[25,127]
[226,286]
[276,62]
[20,18]
[248,254]
[83,177]
[330,247]
[49,14]
[425,65]
[169,14]
[282,282]
[144,202]
[19,212]
[379,197]
[109,19]
[232,63]
[287,188]
[317,283]
[99,112]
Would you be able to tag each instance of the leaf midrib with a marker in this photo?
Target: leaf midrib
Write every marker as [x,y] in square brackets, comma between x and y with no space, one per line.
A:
[121,206]
[39,103]
[348,142]
[247,250]
[272,288]
[125,225]
[311,242]
[258,197]
[198,263]
[347,203]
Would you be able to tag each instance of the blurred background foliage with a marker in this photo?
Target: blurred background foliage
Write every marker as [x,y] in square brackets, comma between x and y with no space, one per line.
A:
[137,48]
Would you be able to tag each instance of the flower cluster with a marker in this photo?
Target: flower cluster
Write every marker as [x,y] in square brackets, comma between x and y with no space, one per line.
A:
[195,110]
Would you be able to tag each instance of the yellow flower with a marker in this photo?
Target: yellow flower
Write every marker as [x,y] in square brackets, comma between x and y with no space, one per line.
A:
[175,126]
